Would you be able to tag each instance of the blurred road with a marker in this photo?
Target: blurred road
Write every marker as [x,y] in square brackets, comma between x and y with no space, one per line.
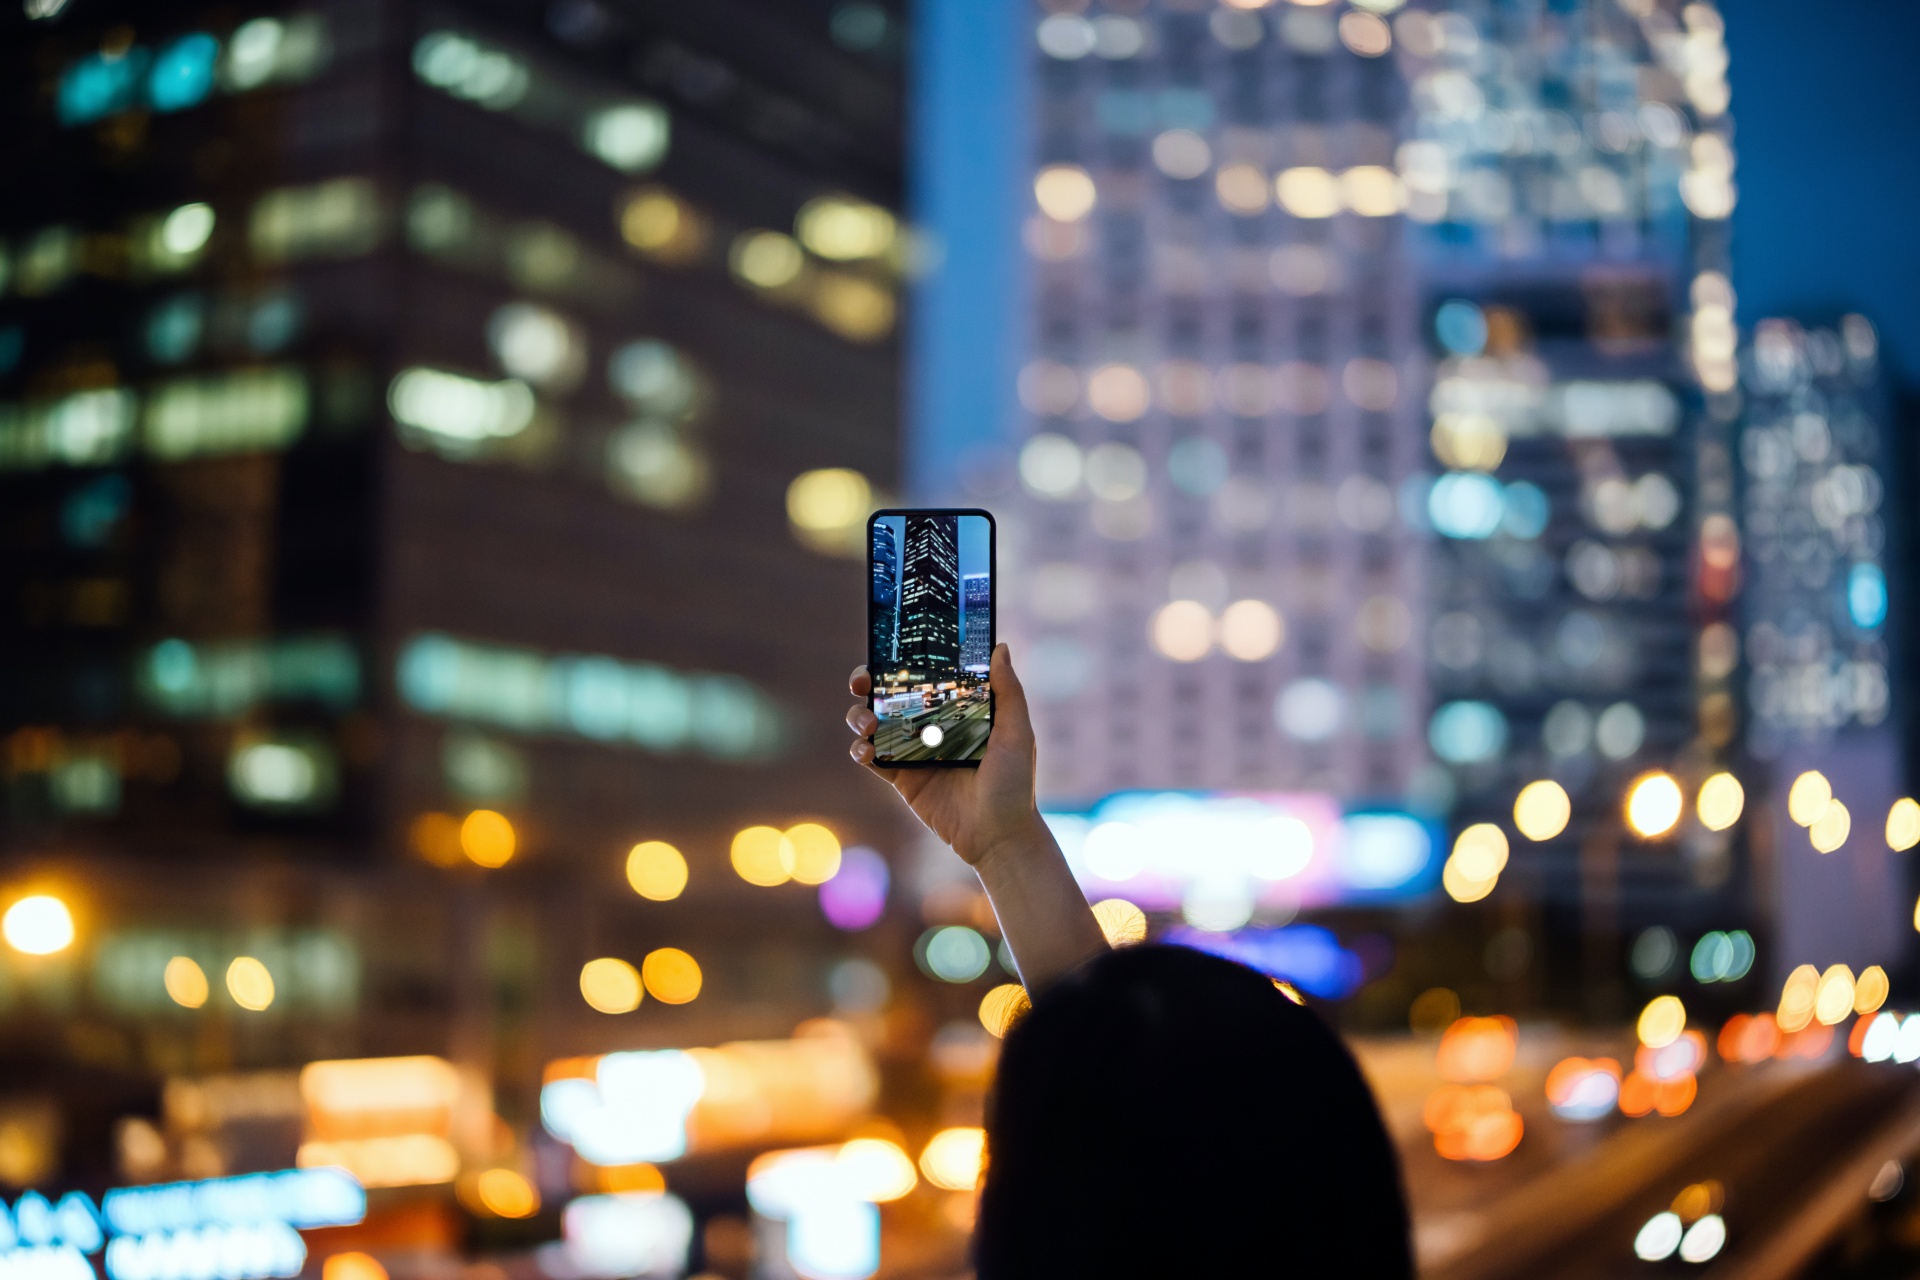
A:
[1794,1144]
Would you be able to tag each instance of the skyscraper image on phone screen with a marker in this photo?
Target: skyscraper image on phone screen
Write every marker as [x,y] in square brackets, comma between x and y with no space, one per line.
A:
[930,635]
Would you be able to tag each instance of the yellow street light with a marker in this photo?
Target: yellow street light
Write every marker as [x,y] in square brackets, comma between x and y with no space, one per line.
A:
[38,925]
[1721,801]
[1654,805]
[1807,798]
[1542,809]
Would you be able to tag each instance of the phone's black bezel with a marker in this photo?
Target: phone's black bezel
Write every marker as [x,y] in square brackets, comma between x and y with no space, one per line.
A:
[993,617]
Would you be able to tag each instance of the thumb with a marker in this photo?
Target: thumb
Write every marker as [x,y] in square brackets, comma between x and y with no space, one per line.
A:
[1010,698]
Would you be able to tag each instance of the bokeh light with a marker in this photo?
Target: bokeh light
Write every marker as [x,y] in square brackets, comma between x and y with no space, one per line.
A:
[1720,802]
[487,838]
[1654,805]
[1903,824]
[250,983]
[954,953]
[186,982]
[656,870]
[1001,1007]
[1870,990]
[1661,1022]
[953,1158]
[505,1193]
[856,896]
[1830,830]
[38,925]
[671,975]
[352,1265]
[1064,192]
[1833,996]
[1477,1050]
[1808,797]
[1797,998]
[756,856]
[1121,921]
[810,853]
[1542,809]
[611,985]
[877,1170]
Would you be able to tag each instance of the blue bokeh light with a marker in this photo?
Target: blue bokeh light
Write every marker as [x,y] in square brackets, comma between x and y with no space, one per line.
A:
[1465,504]
[1867,596]
[1527,510]
[98,85]
[1461,327]
[183,73]
[1308,956]
[1467,732]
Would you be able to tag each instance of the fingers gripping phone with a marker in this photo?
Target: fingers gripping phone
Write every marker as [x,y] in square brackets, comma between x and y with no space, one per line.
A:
[930,635]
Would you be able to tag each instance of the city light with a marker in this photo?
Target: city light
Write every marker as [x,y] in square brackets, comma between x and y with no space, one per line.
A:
[954,953]
[1654,806]
[352,1265]
[1903,824]
[1722,957]
[1183,630]
[1657,1240]
[1542,809]
[457,415]
[611,985]
[843,229]
[1797,996]
[1477,1050]
[1122,923]
[1808,797]
[645,1233]
[1720,802]
[876,1169]
[250,983]
[656,870]
[1829,832]
[810,853]
[1582,1089]
[954,1158]
[1661,1022]
[631,137]
[1064,192]
[1473,869]
[856,897]
[1001,1007]
[1833,996]
[186,982]
[1870,990]
[38,925]
[661,225]
[488,839]
[828,510]
[756,857]
[505,1194]
[766,259]
[671,976]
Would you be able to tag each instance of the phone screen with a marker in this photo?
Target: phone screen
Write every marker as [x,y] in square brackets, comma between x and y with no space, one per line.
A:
[930,635]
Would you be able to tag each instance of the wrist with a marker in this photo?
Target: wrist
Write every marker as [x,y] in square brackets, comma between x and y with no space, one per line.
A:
[1015,846]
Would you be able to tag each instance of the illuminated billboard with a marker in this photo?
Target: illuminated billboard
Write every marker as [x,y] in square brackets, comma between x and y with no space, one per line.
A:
[1221,857]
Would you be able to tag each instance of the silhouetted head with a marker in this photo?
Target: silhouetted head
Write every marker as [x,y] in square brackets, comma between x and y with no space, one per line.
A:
[1165,1113]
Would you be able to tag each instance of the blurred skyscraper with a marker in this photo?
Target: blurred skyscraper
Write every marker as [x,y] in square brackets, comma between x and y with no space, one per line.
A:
[1815,645]
[976,601]
[397,406]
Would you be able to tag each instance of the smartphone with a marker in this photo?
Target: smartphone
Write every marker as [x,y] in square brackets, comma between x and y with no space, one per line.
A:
[930,635]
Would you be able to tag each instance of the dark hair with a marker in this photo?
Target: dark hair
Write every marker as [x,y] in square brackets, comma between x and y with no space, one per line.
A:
[1162,1113]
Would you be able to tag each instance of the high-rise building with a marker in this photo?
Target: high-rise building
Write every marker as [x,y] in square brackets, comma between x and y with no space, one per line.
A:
[1220,405]
[929,644]
[976,599]
[885,618]
[1813,639]
[396,408]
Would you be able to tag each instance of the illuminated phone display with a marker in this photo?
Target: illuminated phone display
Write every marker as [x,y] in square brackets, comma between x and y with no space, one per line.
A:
[930,635]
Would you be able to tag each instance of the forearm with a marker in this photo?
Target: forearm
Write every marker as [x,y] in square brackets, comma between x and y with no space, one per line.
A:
[1043,915]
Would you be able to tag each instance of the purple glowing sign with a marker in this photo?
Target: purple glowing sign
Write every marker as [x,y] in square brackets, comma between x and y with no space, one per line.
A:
[857,895]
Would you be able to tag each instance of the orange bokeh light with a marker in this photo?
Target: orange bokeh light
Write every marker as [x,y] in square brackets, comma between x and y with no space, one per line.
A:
[1477,1049]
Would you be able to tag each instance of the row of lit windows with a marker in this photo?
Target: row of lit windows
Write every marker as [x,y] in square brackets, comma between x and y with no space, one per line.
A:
[185,71]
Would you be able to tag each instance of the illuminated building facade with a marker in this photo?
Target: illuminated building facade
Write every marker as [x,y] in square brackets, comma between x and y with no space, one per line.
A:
[1568,178]
[1208,584]
[929,645]
[886,596]
[976,598]
[1813,639]
[395,412]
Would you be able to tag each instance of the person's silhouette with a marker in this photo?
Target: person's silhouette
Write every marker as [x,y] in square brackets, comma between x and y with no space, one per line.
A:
[1159,1113]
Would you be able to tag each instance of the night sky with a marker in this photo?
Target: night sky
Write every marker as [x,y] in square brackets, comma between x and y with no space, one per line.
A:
[1826,101]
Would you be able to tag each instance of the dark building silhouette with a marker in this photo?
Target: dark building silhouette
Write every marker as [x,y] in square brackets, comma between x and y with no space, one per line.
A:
[886,597]
[929,644]
[976,646]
